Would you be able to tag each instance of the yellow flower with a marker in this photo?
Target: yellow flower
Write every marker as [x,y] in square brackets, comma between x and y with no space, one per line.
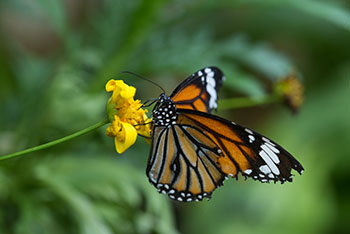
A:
[126,115]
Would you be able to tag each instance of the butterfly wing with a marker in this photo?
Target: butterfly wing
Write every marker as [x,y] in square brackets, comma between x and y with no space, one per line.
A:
[199,91]
[244,150]
[183,163]
[192,151]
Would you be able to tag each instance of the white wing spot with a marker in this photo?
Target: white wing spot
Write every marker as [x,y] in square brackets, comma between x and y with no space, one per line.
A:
[251,138]
[270,153]
[274,149]
[207,70]
[248,171]
[268,141]
[265,169]
[212,92]
[248,131]
[211,74]
[211,81]
[269,162]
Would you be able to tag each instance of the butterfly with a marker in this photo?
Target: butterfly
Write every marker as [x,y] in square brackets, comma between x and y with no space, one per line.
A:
[193,151]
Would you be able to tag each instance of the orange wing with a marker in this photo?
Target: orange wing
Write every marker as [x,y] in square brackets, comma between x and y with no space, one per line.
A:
[199,91]
[192,151]
[183,163]
[244,151]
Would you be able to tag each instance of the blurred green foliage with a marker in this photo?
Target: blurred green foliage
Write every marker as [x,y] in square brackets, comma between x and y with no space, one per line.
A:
[55,57]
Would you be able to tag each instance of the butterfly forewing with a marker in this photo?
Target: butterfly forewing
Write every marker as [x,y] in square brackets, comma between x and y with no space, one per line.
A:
[245,151]
[199,91]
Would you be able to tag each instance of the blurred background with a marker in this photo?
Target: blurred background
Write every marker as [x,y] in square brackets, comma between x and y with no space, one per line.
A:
[57,55]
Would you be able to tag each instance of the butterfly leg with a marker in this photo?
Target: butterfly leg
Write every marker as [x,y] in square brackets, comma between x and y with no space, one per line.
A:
[149,102]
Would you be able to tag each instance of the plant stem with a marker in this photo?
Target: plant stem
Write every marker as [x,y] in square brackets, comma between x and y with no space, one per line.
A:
[55,142]
[232,103]
[241,102]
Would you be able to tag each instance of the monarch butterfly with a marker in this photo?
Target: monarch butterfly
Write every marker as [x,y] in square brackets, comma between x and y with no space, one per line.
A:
[193,151]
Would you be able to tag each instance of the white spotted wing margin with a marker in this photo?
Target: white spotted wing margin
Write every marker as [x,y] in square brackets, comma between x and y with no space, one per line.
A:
[183,163]
[267,161]
[208,80]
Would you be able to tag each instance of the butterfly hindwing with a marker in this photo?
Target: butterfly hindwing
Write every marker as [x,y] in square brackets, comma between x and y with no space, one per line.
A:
[245,151]
[183,163]
[199,91]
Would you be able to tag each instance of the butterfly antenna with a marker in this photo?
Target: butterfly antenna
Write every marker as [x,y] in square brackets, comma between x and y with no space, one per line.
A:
[141,77]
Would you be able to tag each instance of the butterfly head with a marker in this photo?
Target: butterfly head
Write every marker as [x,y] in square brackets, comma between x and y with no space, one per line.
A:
[164,113]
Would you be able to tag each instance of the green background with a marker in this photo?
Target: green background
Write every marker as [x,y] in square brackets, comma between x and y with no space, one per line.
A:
[56,56]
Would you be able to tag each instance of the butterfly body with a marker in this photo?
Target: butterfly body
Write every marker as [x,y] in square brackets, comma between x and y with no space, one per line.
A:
[193,151]
[164,114]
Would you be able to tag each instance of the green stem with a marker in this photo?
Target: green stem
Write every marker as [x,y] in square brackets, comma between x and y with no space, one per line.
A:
[231,103]
[242,102]
[55,142]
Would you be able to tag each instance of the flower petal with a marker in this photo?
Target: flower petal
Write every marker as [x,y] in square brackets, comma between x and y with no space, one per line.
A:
[128,140]
[110,86]
[125,114]
[127,92]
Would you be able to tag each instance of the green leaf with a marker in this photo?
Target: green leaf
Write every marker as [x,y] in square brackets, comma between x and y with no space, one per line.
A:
[55,12]
[258,56]
[320,9]
[90,222]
